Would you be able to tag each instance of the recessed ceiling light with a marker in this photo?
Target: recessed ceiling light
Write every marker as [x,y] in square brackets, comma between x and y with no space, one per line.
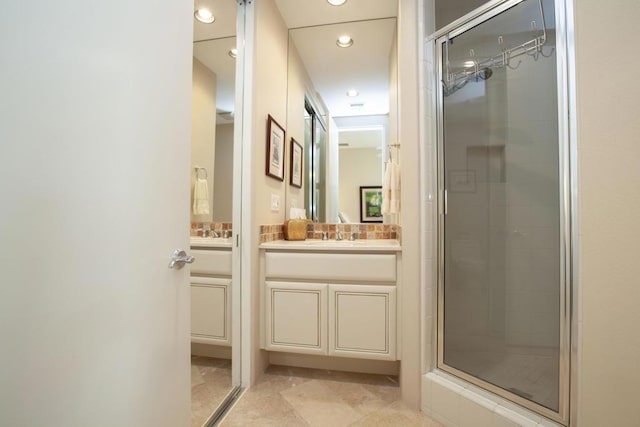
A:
[344,41]
[337,2]
[358,106]
[233,53]
[204,15]
[352,93]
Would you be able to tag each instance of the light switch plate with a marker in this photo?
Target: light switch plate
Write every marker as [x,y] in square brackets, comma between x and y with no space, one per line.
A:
[275,202]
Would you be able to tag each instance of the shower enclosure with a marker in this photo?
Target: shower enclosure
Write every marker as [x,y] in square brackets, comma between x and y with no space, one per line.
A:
[503,247]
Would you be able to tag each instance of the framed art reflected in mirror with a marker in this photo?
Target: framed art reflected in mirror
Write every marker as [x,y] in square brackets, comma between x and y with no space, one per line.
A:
[275,149]
[371,204]
[296,163]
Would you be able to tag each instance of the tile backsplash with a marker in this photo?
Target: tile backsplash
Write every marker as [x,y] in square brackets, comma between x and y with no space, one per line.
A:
[361,231]
[269,233]
[197,227]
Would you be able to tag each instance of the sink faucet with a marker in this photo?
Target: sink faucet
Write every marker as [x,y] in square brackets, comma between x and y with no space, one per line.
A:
[210,233]
[226,234]
[338,235]
[353,236]
[325,235]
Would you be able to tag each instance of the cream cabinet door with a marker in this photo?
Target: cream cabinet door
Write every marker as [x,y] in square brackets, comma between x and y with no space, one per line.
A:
[362,321]
[211,311]
[296,317]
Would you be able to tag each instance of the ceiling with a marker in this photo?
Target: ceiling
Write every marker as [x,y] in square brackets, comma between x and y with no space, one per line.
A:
[315,28]
[305,13]
[364,66]
[214,54]
[211,46]
[225,24]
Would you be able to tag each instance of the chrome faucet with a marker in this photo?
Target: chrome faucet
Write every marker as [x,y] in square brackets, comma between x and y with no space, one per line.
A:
[325,235]
[226,234]
[338,235]
[210,233]
[353,236]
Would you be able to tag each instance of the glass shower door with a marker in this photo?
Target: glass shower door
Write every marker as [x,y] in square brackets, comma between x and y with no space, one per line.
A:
[501,279]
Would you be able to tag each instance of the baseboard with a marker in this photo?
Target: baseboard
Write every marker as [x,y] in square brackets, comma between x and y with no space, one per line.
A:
[208,350]
[364,366]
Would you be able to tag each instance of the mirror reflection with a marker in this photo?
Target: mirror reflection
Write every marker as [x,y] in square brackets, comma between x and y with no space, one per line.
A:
[342,105]
[213,104]
[212,127]
[212,124]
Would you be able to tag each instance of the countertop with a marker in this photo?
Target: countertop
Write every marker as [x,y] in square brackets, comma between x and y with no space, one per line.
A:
[369,245]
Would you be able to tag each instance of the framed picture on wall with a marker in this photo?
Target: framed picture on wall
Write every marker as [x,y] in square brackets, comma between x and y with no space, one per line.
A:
[296,164]
[370,204]
[275,149]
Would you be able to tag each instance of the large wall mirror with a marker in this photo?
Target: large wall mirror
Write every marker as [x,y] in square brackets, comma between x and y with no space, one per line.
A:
[342,102]
[214,375]
[214,67]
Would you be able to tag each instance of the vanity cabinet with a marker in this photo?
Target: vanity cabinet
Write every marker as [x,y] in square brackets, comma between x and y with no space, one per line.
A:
[330,303]
[211,296]
[362,321]
[296,315]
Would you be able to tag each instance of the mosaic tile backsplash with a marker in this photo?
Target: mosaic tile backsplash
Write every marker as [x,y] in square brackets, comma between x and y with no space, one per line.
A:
[220,227]
[270,233]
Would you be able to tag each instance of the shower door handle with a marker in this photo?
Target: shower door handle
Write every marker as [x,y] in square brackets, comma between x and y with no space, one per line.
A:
[445,204]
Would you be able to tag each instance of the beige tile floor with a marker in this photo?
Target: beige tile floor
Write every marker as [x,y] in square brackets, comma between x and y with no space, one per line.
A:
[308,397]
[210,383]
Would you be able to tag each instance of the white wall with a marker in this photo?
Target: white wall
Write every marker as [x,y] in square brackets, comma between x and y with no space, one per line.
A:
[223,174]
[269,86]
[359,167]
[333,172]
[412,255]
[203,130]
[609,182]
[297,87]
[300,87]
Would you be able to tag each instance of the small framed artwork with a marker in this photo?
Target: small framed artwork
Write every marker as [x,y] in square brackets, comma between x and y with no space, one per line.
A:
[296,164]
[370,204]
[462,181]
[275,149]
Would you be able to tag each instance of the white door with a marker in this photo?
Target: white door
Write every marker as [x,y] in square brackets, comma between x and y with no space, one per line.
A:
[94,194]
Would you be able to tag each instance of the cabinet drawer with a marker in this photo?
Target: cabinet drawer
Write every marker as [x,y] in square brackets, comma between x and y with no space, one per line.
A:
[214,262]
[331,266]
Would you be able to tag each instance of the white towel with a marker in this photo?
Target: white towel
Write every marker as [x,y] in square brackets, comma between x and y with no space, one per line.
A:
[391,189]
[201,197]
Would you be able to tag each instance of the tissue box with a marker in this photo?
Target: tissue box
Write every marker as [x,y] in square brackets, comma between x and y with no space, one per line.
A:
[295,229]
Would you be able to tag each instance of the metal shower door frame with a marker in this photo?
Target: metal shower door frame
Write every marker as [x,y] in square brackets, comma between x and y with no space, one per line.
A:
[567,191]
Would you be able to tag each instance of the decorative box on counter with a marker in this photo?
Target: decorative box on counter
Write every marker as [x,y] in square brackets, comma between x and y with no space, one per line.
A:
[295,229]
